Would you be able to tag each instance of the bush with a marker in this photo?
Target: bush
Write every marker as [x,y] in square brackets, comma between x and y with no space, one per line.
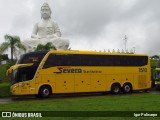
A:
[4,89]
[3,69]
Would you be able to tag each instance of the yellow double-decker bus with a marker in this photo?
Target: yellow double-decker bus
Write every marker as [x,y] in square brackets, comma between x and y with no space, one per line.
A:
[53,72]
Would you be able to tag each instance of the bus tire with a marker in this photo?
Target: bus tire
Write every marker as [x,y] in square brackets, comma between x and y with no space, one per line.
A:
[127,88]
[115,88]
[44,92]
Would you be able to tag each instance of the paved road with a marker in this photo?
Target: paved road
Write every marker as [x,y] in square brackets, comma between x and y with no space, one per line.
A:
[66,96]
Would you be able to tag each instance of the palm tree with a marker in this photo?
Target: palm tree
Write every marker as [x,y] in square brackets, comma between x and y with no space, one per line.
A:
[47,46]
[12,42]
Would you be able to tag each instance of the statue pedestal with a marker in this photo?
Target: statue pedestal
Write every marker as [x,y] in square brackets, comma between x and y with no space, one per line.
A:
[59,43]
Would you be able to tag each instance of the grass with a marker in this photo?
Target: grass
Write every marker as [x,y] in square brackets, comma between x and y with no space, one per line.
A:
[4,90]
[133,102]
[4,81]
[3,69]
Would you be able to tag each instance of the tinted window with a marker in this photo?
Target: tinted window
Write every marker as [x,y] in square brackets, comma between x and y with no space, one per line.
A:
[23,74]
[33,57]
[27,73]
[94,60]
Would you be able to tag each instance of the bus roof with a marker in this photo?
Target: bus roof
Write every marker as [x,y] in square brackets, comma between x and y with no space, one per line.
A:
[82,52]
[37,52]
[92,53]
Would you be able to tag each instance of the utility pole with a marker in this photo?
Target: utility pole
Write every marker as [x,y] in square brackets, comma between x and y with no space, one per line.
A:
[125,42]
[134,49]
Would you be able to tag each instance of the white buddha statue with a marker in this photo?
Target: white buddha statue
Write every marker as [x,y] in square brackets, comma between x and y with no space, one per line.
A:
[46,31]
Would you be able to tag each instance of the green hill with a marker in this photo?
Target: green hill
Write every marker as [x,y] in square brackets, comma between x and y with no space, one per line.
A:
[3,69]
[4,81]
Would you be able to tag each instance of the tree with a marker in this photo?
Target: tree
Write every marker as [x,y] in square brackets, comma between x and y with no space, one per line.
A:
[155,57]
[47,46]
[4,57]
[12,42]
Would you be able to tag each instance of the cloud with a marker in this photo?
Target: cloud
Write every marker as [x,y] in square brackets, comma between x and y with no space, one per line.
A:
[90,24]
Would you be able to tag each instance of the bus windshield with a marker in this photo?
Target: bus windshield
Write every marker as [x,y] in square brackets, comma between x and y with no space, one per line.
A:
[27,73]
[23,74]
[32,57]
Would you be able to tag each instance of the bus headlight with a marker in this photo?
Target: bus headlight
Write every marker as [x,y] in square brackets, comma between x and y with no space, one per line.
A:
[13,87]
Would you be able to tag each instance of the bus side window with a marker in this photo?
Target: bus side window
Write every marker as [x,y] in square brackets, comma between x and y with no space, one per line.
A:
[50,61]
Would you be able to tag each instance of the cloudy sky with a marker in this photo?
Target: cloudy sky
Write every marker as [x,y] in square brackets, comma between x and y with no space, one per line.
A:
[90,24]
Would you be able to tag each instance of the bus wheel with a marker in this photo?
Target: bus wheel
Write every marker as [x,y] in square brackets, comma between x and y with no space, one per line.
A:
[115,88]
[45,92]
[127,88]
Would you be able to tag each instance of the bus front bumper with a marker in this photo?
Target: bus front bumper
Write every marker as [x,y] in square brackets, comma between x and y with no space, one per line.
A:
[14,89]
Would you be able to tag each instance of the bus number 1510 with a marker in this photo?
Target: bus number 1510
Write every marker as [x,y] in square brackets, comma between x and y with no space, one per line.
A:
[142,69]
